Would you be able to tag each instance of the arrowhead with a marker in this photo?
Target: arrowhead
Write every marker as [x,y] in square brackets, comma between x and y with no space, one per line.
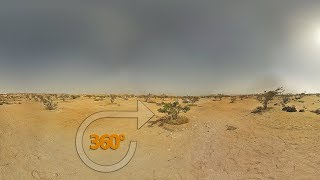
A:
[144,114]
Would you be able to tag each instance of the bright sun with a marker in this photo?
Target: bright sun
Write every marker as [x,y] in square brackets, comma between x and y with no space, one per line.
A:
[317,36]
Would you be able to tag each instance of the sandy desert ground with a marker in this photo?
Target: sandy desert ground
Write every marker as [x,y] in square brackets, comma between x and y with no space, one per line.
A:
[223,140]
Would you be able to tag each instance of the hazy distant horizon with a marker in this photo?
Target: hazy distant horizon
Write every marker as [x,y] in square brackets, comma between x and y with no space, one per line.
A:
[182,47]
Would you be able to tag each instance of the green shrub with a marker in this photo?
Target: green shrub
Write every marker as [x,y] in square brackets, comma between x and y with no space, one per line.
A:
[173,109]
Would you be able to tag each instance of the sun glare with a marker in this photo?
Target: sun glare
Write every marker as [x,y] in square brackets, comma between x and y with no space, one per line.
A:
[317,36]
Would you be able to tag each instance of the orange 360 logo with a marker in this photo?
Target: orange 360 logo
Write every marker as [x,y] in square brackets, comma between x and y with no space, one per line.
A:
[105,141]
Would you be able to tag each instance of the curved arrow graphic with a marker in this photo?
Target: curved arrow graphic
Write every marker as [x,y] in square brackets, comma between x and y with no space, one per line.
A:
[143,114]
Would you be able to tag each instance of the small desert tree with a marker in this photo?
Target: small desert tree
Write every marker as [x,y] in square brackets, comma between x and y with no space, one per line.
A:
[112,98]
[267,96]
[147,97]
[173,109]
[194,99]
[285,99]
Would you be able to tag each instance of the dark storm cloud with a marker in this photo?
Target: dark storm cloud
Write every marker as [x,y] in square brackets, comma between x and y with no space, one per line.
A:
[170,43]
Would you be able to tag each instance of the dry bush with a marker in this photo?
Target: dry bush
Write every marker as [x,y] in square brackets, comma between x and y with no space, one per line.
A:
[218,97]
[300,96]
[113,97]
[125,96]
[163,97]
[190,99]
[88,96]
[49,104]
[99,97]
[285,99]
[317,111]
[64,97]
[233,99]
[242,97]
[258,109]
[147,97]
[194,99]
[289,109]
[75,96]
[2,102]
[185,100]
[230,128]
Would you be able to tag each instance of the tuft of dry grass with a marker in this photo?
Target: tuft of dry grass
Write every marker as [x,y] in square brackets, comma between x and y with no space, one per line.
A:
[317,111]
[257,110]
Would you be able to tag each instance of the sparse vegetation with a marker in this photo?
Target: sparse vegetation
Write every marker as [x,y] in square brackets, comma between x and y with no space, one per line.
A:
[289,109]
[185,100]
[242,97]
[173,110]
[231,128]
[74,96]
[112,98]
[49,104]
[233,99]
[194,99]
[300,96]
[64,97]
[218,97]
[147,97]
[258,109]
[267,96]
[125,96]
[285,99]
[178,121]
[317,111]
[163,97]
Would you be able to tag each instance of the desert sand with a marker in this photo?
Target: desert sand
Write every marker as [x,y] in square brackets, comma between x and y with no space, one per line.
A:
[222,140]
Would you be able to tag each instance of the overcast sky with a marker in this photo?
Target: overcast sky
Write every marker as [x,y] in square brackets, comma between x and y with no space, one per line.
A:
[159,46]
